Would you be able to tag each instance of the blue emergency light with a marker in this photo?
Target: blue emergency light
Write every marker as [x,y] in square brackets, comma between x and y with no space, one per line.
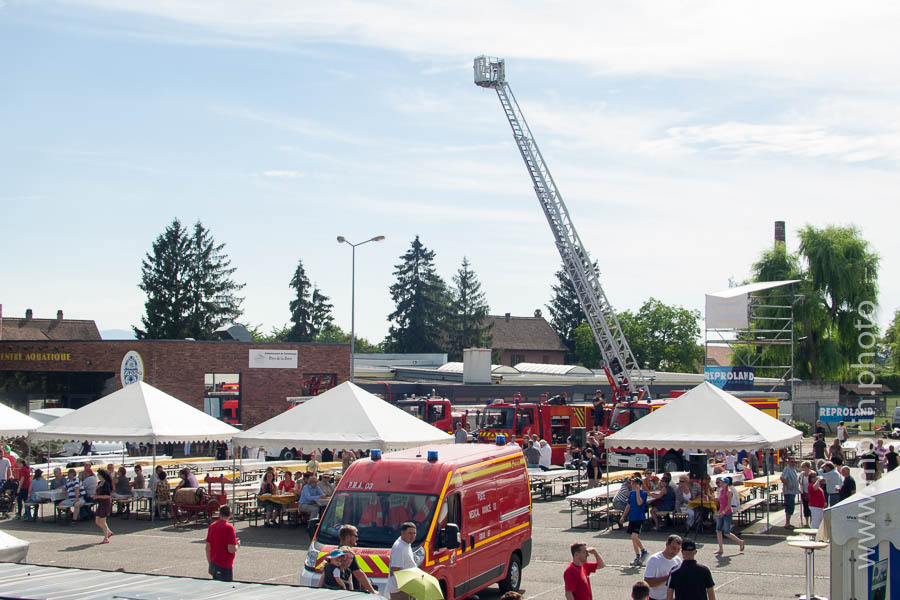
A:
[432,456]
[501,440]
[375,454]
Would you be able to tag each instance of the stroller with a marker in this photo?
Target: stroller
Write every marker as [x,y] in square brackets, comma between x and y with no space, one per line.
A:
[8,497]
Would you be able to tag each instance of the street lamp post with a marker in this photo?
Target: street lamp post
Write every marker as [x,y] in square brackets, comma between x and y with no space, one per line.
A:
[342,240]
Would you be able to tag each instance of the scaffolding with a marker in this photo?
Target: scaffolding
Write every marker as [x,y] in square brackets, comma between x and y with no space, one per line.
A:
[750,318]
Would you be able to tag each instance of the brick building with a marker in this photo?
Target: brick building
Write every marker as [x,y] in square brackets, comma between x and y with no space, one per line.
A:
[246,382]
[525,339]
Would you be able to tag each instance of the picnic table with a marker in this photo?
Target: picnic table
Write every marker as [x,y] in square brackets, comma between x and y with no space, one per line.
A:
[589,500]
[288,498]
[546,481]
[52,495]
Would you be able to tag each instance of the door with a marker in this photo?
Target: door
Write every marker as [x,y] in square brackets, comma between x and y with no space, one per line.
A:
[481,528]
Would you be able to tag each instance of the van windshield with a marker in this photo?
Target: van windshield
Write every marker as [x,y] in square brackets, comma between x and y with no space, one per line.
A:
[377,516]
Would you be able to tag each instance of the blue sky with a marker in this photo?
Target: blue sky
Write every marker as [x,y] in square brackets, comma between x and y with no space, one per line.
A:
[677,134]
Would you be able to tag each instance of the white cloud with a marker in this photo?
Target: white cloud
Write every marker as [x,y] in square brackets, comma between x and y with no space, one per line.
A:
[798,42]
[283,174]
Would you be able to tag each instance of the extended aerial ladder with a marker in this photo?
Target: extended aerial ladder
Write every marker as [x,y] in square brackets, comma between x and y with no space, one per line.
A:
[618,360]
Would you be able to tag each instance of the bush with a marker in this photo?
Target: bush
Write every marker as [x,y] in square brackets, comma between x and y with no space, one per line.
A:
[804,427]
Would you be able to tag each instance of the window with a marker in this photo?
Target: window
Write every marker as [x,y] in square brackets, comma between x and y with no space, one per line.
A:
[435,413]
[451,512]
[318,383]
[222,396]
[516,359]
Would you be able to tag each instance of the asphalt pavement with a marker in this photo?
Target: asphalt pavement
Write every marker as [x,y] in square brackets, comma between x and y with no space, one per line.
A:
[768,568]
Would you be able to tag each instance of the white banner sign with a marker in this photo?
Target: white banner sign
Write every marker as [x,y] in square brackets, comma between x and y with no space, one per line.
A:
[273,359]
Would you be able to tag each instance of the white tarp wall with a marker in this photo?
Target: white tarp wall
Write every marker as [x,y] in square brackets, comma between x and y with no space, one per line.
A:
[865,542]
[730,309]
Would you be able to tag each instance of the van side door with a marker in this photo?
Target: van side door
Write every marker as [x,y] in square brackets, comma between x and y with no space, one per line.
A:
[481,526]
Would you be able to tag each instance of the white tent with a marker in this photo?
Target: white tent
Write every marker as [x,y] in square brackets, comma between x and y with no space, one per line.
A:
[45,415]
[706,418]
[865,540]
[344,418]
[15,424]
[137,413]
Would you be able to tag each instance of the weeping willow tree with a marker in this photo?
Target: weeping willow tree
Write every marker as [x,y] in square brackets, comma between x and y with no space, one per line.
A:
[839,285]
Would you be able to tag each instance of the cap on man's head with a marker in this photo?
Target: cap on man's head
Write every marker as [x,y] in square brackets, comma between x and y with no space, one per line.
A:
[688,546]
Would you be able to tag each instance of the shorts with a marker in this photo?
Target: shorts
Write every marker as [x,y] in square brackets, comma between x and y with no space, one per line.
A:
[620,504]
[220,573]
[723,523]
[790,501]
[635,526]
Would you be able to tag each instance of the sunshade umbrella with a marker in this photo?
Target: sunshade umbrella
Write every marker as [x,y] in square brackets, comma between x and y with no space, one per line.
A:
[418,584]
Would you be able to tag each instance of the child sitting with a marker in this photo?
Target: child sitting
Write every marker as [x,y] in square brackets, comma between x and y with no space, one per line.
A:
[337,574]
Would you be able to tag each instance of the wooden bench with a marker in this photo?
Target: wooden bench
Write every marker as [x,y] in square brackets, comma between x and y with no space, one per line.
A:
[123,506]
[742,515]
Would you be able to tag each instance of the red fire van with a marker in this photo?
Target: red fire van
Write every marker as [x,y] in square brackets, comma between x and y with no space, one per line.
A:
[471,505]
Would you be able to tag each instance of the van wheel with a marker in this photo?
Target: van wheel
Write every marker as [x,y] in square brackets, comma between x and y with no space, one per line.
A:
[287,455]
[672,462]
[513,578]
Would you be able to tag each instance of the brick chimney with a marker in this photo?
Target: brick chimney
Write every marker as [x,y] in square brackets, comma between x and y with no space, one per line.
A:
[59,316]
[537,313]
[506,316]
[779,232]
[28,314]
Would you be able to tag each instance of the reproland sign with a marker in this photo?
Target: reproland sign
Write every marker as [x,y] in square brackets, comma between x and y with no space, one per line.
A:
[836,414]
[730,378]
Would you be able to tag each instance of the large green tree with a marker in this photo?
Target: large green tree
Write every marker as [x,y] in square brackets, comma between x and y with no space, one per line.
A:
[566,312]
[891,343]
[189,286]
[466,326]
[839,288]
[310,308]
[332,334]
[662,337]
[165,279]
[213,299]
[421,301]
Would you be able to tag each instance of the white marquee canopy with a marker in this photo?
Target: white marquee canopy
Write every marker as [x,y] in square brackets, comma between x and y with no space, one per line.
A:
[344,418]
[706,418]
[15,424]
[137,413]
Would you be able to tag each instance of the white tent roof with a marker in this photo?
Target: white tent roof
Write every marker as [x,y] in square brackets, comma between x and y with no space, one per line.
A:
[706,418]
[137,413]
[15,424]
[864,513]
[729,309]
[45,415]
[344,418]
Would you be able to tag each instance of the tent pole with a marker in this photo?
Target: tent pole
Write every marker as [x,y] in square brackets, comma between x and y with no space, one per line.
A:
[233,473]
[608,519]
[153,472]
[767,491]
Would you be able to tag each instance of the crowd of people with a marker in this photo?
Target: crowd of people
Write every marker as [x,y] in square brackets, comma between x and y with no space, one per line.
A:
[667,576]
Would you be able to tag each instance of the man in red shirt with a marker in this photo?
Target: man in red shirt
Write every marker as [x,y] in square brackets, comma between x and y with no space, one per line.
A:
[221,545]
[576,574]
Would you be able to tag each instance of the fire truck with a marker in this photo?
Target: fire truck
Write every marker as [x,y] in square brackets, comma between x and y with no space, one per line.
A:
[436,411]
